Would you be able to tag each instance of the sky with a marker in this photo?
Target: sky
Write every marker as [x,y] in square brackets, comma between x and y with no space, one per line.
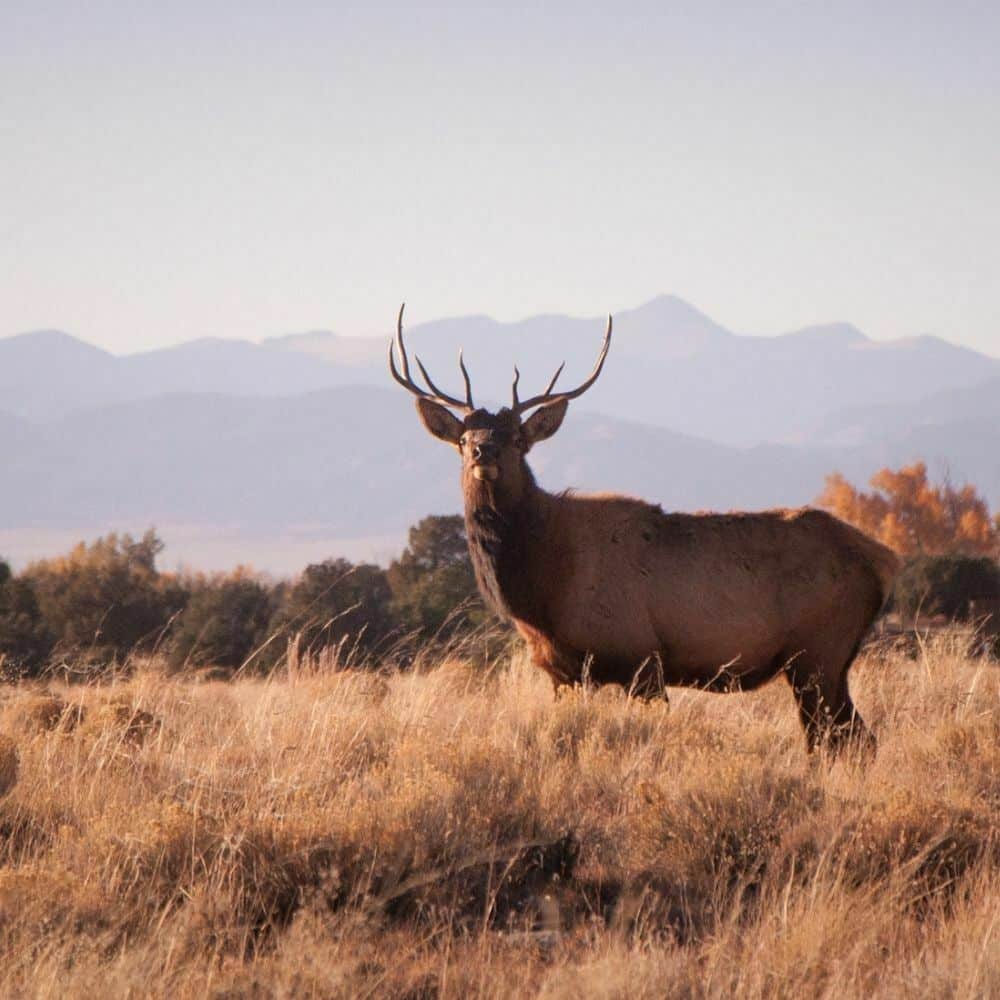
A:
[182,170]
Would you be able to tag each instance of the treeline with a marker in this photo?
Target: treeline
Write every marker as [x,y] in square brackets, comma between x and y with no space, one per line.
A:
[107,601]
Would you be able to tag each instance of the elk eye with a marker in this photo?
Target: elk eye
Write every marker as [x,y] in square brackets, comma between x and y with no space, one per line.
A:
[463,440]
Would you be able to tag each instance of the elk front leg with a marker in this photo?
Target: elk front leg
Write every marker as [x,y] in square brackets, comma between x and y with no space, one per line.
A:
[563,665]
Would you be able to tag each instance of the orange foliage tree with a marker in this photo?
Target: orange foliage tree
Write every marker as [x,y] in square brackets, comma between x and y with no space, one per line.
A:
[914,516]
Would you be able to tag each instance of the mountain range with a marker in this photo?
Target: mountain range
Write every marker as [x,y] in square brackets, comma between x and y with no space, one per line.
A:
[305,436]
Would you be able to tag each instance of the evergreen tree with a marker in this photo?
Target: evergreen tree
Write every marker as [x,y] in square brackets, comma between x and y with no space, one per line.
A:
[432,582]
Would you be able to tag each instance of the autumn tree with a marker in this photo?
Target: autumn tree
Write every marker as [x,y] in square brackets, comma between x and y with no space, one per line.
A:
[914,516]
[106,598]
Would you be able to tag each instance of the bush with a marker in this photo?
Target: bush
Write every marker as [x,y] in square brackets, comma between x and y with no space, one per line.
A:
[105,600]
[107,597]
[944,585]
[336,600]
[224,622]
[25,641]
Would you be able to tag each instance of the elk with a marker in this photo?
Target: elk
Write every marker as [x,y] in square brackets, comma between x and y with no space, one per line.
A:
[614,589]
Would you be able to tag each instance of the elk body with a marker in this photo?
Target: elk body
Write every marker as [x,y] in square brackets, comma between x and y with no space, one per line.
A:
[617,590]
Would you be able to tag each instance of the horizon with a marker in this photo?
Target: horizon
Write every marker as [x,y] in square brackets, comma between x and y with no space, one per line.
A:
[336,330]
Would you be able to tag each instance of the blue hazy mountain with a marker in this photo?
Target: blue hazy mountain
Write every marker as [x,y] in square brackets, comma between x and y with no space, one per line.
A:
[305,437]
[671,366]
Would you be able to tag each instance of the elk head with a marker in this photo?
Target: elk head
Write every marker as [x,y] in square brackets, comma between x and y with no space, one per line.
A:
[492,445]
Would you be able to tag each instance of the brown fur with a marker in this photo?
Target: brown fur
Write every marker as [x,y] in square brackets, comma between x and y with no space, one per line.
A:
[616,589]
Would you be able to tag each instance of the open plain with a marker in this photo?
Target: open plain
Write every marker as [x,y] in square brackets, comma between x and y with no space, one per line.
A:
[457,831]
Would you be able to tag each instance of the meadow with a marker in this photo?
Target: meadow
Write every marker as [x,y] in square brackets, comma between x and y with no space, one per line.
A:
[455,830]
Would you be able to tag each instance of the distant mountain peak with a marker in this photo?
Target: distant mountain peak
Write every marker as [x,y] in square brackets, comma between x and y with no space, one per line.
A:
[329,346]
[667,328]
[300,337]
[830,333]
[673,309]
[51,340]
[200,345]
[922,341]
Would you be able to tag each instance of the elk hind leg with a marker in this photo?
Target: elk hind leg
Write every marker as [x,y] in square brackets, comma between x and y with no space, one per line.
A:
[827,713]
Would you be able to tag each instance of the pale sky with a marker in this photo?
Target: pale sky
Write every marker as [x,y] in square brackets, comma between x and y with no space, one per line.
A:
[177,170]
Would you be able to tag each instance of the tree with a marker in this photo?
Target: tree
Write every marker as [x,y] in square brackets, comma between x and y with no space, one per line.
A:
[333,600]
[433,582]
[913,516]
[25,641]
[106,597]
[225,621]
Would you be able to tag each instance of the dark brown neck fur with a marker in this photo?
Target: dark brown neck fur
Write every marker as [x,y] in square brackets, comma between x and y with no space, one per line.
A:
[504,533]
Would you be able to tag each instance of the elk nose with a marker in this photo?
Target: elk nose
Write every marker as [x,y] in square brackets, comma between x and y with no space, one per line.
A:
[485,453]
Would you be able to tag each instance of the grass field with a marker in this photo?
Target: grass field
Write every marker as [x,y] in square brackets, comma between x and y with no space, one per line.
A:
[460,832]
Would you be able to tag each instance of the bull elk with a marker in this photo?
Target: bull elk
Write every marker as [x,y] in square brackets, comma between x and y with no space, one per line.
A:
[616,589]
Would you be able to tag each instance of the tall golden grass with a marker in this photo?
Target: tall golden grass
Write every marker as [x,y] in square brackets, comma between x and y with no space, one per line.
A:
[457,831]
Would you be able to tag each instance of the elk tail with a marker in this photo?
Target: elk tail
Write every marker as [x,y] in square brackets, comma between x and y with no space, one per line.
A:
[884,562]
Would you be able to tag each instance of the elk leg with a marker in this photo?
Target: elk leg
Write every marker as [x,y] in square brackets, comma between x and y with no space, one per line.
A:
[559,662]
[828,715]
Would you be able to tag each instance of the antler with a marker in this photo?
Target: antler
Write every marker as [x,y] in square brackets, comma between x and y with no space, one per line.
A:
[407,382]
[553,397]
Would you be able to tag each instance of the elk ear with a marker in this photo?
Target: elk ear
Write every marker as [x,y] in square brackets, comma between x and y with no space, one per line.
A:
[544,422]
[439,421]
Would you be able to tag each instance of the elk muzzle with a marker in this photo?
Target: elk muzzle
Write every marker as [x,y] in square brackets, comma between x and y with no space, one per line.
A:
[485,457]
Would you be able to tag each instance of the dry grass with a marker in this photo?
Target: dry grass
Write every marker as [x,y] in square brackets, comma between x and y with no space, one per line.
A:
[459,832]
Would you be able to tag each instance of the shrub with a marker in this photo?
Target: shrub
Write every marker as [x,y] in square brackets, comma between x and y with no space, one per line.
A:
[224,622]
[336,600]
[25,641]
[106,597]
[944,585]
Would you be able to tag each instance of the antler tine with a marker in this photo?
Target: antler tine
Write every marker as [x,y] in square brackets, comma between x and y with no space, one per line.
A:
[440,395]
[468,382]
[406,380]
[517,378]
[392,367]
[403,379]
[555,378]
[404,361]
[550,397]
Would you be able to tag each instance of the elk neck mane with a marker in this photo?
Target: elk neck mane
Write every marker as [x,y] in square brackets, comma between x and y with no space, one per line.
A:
[504,533]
